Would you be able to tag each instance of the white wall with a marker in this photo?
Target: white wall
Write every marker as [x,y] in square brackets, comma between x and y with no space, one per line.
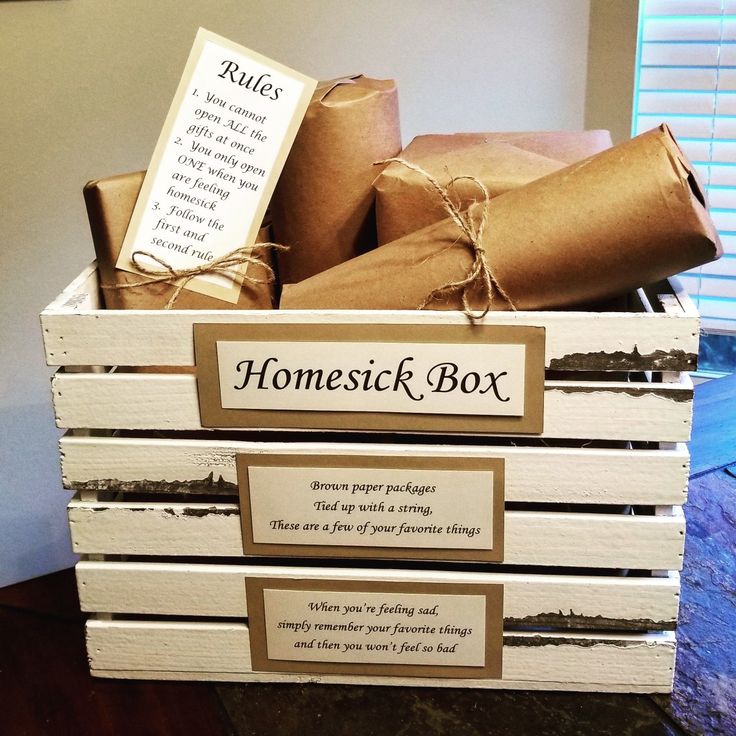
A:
[85,88]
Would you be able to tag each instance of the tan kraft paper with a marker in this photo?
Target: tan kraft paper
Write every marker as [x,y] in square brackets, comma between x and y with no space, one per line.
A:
[324,340]
[110,204]
[375,628]
[626,217]
[345,506]
[323,204]
[502,161]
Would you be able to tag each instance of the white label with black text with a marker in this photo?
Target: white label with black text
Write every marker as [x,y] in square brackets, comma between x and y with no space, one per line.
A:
[418,378]
[375,628]
[372,507]
[229,129]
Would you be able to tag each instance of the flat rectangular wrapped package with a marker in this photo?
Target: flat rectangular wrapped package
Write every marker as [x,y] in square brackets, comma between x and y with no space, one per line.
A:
[502,161]
[110,204]
[626,217]
[322,206]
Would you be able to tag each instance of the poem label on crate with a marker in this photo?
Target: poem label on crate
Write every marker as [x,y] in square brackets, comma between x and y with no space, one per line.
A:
[454,378]
[227,134]
[395,507]
[365,627]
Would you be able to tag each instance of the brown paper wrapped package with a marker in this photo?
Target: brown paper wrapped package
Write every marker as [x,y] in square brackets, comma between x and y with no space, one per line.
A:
[110,205]
[323,204]
[502,161]
[626,217]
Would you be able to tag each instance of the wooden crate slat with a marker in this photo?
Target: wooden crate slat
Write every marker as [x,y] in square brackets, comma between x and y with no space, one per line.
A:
[533,474]
[532,538]
[366,681]
[580,410]
[78,333]
[631,663]
[201,589]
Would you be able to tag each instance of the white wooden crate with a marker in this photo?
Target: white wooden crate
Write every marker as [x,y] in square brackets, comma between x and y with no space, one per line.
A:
[597,494]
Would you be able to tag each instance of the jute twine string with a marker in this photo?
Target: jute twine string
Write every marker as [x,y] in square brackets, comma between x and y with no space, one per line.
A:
[480,276]
[222,266]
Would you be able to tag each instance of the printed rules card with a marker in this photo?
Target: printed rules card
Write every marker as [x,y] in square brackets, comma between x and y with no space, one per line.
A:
[227,134]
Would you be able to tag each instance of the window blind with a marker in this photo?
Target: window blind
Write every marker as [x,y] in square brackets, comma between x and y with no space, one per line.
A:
[686,77]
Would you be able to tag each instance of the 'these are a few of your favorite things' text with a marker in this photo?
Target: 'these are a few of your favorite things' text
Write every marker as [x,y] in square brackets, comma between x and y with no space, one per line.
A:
[483,379]
[218,157]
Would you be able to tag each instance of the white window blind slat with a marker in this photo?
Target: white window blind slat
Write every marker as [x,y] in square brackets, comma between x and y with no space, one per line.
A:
[720,308]
[725,103]
[729,243]
[724,128]
[656,78]
[725,266]
[724,151]
[683,7]
[682,126]
[683,103]
[721,175]
[711,286]
[714,324]
[725,221]
[696,149]
[679,55]
[660,28]
[720,196]
[686,77]
[727,55]
[726,79]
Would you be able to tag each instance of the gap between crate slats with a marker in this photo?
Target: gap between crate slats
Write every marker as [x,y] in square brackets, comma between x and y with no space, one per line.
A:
[531,538]
[629,663]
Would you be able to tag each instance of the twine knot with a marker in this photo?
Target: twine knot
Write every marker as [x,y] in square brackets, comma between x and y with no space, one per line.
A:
[223,265]
[479,276]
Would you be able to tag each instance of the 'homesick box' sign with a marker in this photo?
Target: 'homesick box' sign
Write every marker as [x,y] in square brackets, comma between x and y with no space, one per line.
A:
[424,378]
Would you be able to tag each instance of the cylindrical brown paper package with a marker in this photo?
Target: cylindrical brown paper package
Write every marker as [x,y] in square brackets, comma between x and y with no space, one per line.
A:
[626,217]
[323,203]
[502,161]
[110,204]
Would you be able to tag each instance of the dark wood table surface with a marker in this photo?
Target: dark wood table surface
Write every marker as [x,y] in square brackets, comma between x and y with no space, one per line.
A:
[45,688]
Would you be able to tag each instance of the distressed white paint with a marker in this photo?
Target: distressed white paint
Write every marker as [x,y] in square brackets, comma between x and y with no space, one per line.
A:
[76,332]
[541,474]
[673,304]
[81,295]
[578,410]
[201,589]
[221,651]
[531,538]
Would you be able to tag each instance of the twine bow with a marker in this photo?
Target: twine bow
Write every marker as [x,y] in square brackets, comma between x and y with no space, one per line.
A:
[222,266]
[479,276]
